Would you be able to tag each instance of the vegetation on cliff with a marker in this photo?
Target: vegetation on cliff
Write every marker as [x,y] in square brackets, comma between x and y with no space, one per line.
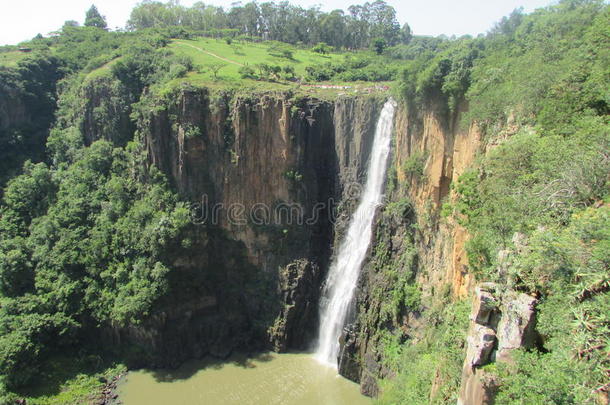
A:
[28,91]
[83,243]
[537,87]
[85,231]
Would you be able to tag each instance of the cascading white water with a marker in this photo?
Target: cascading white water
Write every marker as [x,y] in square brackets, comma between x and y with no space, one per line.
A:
[345,268]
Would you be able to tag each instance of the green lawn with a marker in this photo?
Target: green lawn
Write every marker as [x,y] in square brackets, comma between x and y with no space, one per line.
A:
[207,51]
[10,59]
[240,53]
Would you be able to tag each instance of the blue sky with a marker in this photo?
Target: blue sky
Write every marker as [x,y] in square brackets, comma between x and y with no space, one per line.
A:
[23,19]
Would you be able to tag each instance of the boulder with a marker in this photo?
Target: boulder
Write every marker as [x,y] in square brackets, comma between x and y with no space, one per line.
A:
[501,322]
[484,304]
[481,342]
[517,324]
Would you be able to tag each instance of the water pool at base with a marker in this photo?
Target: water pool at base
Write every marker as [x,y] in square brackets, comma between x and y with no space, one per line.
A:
[266,379]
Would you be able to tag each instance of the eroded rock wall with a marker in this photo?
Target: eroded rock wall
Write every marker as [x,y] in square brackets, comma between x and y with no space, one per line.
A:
[265,174]
[446,150]
[431,151]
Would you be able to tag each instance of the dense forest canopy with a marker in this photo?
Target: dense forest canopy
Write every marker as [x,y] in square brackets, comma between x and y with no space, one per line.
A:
[86,227]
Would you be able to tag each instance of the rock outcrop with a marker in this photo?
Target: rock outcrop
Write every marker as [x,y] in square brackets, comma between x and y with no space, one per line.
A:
[501,322]
[298,286]
[270,152]
[431,151]
[433,135]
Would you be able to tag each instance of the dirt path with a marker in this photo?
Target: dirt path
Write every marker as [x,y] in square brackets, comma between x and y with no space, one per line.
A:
[211,54]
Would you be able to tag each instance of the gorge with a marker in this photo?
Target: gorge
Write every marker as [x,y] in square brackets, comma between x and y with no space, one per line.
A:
[230,213]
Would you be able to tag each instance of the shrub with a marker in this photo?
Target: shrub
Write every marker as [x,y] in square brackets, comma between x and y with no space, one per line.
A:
[321,48]
[437,356]
[177,70]
[280,51]
[379,44]
[414,165]
[246,72]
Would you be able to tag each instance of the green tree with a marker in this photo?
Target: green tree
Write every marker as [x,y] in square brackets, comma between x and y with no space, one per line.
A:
[322,48]
[334,29]
[70,23]
[247,72]
[406,34]
[379,44]
[383,22]
[215,68]
[93,18]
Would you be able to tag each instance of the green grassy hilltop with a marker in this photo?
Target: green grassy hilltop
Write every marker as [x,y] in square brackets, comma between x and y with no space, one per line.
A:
[252,64]
[237,54]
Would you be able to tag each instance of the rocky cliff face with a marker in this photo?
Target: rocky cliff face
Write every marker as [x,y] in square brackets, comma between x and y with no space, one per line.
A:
[270,155]
[430,152]
[433,136]
[415,246]
[265,175]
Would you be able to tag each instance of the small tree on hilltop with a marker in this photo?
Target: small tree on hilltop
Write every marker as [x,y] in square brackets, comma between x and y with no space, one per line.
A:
[93,18]
[406,34]
[215,68]
[71,23]
[246,72]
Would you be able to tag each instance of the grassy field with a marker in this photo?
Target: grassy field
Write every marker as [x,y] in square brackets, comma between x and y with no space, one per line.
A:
[207,51]
[10,59]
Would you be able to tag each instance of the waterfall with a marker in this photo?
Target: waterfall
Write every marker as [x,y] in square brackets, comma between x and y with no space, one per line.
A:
[343,273]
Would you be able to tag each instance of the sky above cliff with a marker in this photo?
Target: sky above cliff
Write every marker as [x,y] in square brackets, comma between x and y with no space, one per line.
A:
[23,19]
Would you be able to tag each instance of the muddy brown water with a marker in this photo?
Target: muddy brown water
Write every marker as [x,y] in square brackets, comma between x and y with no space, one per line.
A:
[270,378]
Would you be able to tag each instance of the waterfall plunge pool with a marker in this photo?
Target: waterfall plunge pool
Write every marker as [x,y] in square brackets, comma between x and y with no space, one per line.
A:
[265,379]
